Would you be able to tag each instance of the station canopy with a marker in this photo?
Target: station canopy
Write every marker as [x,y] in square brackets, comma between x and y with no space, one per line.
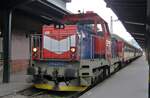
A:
[132,13]
[32,13]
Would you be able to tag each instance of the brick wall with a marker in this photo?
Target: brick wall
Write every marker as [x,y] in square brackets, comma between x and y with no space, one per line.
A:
[19,65]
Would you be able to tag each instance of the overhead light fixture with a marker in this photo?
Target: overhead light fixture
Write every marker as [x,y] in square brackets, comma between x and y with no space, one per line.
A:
[134,23]
[138,34]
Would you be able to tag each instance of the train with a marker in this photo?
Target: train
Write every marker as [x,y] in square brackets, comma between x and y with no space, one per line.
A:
[78,51]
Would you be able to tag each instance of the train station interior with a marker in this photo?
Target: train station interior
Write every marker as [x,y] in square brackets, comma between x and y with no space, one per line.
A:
[21,19]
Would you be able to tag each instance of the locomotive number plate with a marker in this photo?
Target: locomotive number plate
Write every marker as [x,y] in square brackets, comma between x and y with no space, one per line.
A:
[57,64]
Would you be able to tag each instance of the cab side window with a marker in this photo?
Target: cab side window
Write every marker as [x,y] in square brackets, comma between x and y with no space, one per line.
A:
[100,30]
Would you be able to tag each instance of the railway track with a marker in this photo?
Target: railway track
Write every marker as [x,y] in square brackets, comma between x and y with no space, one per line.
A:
[37,93]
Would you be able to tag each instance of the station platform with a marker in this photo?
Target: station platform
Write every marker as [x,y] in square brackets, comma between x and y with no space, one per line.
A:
[130,82]
[18,82]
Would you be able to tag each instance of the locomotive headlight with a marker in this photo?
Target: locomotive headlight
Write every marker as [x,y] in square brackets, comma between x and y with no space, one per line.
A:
[73,49]
[34,49]
[57,27]
[62,26]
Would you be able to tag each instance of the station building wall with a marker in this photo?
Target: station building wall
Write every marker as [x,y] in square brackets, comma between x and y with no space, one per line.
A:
[19,51]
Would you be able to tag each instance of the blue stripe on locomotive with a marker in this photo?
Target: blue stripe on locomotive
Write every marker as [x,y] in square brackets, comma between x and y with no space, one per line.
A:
[86,42]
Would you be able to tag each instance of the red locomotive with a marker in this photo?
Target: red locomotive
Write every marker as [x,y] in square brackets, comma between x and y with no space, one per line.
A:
[79,52]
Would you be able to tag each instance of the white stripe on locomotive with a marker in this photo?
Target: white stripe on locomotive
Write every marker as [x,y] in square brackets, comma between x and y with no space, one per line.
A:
[59,46]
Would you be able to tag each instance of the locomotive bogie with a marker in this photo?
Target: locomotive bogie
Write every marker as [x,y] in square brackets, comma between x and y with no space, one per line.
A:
[92,70]
[51,70]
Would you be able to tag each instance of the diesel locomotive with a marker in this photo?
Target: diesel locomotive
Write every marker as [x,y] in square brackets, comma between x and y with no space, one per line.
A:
[78,52]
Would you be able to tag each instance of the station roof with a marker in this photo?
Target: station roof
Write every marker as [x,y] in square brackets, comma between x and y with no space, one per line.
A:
[132,13]
[33,12]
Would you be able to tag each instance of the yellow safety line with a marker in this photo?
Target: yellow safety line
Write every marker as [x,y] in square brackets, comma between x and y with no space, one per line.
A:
[60,88]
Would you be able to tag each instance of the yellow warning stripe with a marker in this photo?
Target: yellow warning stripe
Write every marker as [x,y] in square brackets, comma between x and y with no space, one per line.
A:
[60,88]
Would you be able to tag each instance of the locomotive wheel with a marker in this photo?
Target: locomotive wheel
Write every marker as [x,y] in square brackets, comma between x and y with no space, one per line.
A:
[120,65]
[92,80]
[100,77]
[106,72]
[117,68]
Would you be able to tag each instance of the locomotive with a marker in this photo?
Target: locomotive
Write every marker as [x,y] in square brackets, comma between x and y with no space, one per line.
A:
[79,52]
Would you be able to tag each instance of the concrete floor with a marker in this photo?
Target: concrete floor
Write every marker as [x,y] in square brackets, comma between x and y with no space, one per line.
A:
[130,82]
[18,82]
